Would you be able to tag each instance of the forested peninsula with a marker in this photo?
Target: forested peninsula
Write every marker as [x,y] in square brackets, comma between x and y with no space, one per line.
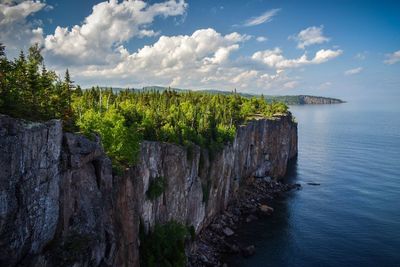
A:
[97,177]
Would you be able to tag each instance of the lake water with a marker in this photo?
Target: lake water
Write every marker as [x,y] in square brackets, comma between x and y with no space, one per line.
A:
[353,217]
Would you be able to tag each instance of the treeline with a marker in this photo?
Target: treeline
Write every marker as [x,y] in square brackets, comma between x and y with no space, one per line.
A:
[29,90]
[124,119]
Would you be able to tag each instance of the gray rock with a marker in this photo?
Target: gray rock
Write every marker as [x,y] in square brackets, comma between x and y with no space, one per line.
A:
[216,227]
[251,218]
[267,179]
[228,231]
[266,209]
[29,186]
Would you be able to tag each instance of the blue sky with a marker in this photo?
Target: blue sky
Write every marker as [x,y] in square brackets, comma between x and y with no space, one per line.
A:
[347,49]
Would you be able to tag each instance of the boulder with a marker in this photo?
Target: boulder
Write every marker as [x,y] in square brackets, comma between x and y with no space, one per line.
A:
[228,231]
[266,209]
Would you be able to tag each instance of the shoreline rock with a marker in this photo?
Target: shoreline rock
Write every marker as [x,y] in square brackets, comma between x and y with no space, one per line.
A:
[215,241]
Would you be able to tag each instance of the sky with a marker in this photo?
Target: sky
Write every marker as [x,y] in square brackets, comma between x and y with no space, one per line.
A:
[343,48]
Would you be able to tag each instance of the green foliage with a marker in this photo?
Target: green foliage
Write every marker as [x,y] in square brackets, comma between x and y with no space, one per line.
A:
[124,119]
[28,90]
[120,141]
[206,187]
[164,246]
[72,248]
[288,99]
[192,232]
[156,188]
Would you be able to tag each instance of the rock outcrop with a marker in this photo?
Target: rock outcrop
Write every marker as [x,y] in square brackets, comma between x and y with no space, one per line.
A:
[62,206]
[309,100]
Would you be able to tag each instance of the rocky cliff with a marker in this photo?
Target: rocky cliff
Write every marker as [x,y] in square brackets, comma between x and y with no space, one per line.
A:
[307,99]
[62,206]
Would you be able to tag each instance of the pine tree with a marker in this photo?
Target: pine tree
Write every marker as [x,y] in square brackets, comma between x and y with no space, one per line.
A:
[34,89]
[67,113]
[4,69]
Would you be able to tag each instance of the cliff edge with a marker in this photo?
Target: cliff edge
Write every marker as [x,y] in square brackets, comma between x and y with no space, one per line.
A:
[62,206]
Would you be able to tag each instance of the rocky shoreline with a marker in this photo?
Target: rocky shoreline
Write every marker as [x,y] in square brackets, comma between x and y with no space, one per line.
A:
[252,203]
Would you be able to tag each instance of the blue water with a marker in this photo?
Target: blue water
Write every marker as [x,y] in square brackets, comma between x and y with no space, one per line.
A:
[353,217]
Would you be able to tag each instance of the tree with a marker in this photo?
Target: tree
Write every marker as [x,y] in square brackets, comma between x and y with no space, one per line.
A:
[4,70]
[34,89]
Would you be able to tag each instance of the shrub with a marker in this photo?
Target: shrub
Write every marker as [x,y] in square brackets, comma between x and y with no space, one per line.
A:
[156,188]
[164,246]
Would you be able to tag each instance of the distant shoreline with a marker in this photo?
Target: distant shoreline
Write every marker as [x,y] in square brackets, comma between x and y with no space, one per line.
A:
[287,99]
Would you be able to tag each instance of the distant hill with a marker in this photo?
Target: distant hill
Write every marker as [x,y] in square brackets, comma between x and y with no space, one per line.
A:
[287,99]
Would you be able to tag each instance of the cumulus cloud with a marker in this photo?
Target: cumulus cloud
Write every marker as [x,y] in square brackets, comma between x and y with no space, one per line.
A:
[392,58]
[310,36]
[94,51]
[353,71]
[200,60]
[261,39]
[15,29]
[203,60]
[177,58]
[275,59]
[110,24]
[265,17]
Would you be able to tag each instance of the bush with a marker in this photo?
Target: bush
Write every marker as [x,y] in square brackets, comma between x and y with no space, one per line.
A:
[164,246]
[156,188]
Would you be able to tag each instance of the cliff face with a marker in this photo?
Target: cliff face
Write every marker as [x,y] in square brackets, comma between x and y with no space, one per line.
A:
[61,205]
[307,99]
[29,187]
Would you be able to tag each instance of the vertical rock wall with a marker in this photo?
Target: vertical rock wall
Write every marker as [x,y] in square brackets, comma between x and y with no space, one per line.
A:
[29,187]
[61,206]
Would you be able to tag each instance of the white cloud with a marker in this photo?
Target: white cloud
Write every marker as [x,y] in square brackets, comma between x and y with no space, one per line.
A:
[110,24]
[291,84]
[202,52]
[353,71]
[261,39]
[15,30]
[200,60]
[148,33]
[310,36]
[361,55]
[265,17]
[275,59]
[392,58]
[325,85]
[94,51]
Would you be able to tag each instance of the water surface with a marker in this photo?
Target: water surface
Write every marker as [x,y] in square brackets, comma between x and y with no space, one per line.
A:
[353,217]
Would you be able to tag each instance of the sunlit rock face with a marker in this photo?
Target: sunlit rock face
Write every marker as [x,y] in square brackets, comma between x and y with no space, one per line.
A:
[60,203]
[307,100]
[29,187]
